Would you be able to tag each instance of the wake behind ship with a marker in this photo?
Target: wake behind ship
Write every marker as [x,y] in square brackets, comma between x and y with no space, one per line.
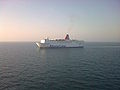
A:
[60,43]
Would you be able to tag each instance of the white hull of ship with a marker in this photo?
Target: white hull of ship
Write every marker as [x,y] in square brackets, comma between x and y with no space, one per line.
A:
[61,44]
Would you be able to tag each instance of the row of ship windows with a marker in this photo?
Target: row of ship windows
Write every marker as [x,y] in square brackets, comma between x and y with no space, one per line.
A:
[57,46]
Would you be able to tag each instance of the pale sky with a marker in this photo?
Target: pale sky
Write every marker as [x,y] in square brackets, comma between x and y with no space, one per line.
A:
[33,20]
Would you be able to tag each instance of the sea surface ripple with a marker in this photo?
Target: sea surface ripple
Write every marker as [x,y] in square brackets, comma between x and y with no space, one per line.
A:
[23,66]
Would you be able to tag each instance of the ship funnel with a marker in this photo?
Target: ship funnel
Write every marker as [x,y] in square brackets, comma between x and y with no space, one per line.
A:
[67,37]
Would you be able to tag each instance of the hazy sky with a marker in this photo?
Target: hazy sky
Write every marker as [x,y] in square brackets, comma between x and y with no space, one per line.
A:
[32,20]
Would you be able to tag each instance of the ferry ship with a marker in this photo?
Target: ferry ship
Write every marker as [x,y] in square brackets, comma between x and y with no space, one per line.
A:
[60,43]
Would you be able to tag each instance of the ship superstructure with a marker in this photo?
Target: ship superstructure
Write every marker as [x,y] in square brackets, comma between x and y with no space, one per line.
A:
[60,43]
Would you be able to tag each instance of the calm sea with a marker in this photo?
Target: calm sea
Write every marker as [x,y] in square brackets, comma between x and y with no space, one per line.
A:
[23,66]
